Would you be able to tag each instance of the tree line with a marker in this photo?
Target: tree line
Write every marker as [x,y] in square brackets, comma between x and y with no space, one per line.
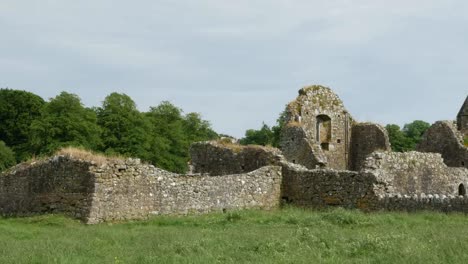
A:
[31,126]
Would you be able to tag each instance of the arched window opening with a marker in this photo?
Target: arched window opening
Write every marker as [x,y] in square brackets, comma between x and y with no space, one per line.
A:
[461,190]
[323,131]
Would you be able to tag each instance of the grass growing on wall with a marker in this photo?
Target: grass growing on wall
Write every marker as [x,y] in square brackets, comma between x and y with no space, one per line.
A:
[290,235]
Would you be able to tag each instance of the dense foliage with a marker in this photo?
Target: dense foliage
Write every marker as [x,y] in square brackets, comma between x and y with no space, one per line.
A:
[407,138]
[265,136]
[7,157]
[32,127]
[18,109]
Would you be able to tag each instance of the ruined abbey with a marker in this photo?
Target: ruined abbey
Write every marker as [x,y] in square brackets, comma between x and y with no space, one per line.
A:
[327,158]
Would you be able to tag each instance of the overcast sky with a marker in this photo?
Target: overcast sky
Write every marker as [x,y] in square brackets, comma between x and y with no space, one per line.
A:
[239,62]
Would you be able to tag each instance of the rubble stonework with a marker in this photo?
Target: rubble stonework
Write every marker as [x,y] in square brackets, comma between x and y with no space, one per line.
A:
[414,172]
[221,158]
[126,189]
[443,137]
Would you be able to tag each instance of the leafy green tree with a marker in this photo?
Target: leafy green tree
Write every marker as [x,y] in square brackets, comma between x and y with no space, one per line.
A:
[198,129]
[18,109]
[414,131]
[169,144]
[64,122]
[398,139]
[407,138]
[266,135]
[125,130]
[7,157]
[173,133]
[263,136]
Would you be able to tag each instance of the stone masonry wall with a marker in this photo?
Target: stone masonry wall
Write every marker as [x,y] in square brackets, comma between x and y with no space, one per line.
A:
[322,188]
[218,158]
[413,173]
[443,137]
[56,185]
[143,190]
[299,150]
[367,138]
[126,189]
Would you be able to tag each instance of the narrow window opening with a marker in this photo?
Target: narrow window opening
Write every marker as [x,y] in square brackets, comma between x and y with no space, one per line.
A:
[323,131]
[294,161]
[463,163]
[292,139]
[461,190]
[338,141]
[243,167]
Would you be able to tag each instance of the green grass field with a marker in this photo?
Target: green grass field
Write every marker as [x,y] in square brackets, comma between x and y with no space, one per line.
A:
[289,235]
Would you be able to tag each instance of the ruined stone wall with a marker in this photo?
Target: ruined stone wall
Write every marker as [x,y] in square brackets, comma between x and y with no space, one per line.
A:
[389,181]
[256,189]
[326,123]
[443,137]
[218,158]
[143,190]
[323,188]
[367,138]
[126,189]
[412,173]
[56,185]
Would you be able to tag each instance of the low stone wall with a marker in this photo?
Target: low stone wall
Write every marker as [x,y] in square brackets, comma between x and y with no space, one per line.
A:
[423,202]
[367,138]
[56,185]
[414,173]
[218,158]
[186,194]
[443,137]
[323,188]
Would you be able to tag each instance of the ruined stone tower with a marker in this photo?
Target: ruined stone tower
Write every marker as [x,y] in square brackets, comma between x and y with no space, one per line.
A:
[462,118]
[318,129]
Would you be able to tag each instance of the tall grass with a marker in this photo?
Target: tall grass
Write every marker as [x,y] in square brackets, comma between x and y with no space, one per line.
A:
[290,235]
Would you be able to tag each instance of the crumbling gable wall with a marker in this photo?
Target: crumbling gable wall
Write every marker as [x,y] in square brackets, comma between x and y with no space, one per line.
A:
[444,138]
[462,118]
[326,123]
[222,158]
[367,138]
